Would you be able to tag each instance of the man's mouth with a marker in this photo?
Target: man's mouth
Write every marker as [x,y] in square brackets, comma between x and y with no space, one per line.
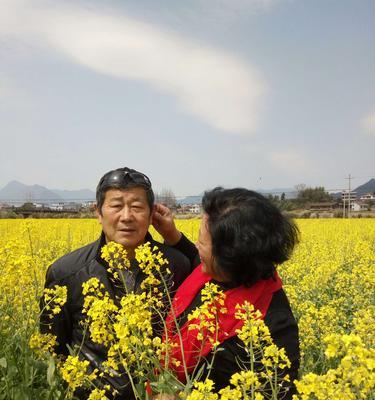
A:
[127,230]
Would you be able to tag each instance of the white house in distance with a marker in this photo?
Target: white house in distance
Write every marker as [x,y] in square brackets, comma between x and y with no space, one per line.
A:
[88,204]
[358,206]
[57,206]
[368,196]
[195,208]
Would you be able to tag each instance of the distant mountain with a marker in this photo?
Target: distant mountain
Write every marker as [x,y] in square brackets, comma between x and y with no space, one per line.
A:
[75,195]
[190,200]
[368,187]
[17,193]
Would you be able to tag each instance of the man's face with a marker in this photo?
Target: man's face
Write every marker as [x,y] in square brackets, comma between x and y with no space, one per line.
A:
[125,217]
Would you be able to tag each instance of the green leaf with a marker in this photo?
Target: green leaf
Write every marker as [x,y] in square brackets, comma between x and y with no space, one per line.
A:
[51,372]
[3,362]
[167,383]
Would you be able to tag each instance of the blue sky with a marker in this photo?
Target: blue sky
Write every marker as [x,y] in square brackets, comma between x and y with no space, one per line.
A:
[257,93]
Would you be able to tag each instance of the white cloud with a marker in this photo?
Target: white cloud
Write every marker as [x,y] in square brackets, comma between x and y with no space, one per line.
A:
[218,87]
[290,161]
[368,123]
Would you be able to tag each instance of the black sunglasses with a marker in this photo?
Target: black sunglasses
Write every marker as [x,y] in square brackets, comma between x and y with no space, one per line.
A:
[125,177]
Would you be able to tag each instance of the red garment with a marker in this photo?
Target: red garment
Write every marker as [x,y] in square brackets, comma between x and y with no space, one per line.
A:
[259,294]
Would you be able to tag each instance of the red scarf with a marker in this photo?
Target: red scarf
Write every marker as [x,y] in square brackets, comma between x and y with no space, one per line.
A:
[259,294]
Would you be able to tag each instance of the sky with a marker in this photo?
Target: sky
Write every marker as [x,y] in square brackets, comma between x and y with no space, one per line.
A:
[253,93]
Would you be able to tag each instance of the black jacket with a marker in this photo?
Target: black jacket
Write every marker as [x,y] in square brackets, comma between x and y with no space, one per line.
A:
[75,268]
[279,320]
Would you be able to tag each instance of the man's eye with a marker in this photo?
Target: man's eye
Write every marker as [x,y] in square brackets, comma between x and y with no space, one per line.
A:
[115,205]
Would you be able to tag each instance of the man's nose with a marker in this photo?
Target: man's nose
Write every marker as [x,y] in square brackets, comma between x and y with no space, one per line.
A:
[126,213]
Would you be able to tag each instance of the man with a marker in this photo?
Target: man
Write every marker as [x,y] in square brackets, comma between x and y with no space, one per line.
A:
[124,207]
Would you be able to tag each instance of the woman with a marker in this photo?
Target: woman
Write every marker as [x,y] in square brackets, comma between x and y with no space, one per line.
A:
[242,238]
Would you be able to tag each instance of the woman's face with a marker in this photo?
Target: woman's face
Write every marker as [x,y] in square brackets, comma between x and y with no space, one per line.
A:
[204,246]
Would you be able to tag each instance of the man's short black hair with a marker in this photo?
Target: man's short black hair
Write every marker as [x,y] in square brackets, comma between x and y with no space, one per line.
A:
[249,234]
[123,178]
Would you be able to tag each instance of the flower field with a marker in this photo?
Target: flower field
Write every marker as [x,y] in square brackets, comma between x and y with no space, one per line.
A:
[330,283]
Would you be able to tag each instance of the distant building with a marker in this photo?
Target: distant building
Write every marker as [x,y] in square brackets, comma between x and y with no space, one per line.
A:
[195,209]
[358,206]
[367,196]
[88,204]
[57,206]
[189,209]
[183,209]
[72,206]
[347,195]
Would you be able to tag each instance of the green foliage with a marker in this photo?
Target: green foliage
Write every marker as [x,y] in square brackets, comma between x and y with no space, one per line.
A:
[313,195]
[23,375]
[282,203]
[27,206]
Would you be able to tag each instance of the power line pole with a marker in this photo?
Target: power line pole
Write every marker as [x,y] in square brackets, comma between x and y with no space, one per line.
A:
[349,195]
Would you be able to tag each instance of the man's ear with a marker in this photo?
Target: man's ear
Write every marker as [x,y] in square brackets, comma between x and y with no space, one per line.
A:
[97,213]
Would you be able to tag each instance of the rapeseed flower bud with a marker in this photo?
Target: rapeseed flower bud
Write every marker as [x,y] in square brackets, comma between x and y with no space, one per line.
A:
[98,394]
[74,372]
[43,343]
[205,318]
[54,298]
[203,391]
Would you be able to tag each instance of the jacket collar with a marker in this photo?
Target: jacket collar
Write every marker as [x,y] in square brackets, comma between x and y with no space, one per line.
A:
[101,242]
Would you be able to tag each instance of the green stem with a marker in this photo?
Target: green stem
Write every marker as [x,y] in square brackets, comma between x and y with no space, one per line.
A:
[177,328]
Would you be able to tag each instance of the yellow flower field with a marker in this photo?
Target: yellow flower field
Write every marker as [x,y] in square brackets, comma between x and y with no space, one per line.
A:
[330,282]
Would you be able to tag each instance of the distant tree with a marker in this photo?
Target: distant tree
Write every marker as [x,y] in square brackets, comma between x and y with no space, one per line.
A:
[166,197]
[9,213]
[287,205]
[28,206]
[281,202]
[300,187]
[274,199]
[313,195]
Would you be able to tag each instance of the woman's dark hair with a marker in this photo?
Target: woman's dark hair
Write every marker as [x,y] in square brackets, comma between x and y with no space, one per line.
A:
[249,234]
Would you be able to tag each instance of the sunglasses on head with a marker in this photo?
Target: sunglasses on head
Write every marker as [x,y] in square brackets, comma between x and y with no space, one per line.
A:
[124,177]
